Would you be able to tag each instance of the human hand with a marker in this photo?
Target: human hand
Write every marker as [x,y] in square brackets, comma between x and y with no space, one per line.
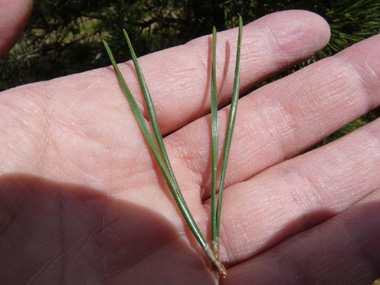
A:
[14,15]
[83,201]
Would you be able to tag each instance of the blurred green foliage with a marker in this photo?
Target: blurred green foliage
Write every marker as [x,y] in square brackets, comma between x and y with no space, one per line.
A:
[64,36]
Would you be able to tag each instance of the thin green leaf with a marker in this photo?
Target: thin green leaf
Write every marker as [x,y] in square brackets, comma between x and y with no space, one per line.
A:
[214,132]
[144,128]
[230,128]
[164,168]
[153,116]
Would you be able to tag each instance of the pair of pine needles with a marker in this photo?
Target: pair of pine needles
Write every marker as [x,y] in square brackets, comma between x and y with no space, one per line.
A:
[160,153]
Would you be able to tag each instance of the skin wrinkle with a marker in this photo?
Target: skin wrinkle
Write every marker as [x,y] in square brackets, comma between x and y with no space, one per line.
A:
[317,199]
[44,269]
[362,82]
[330,177]
[144,257]
[145,59]
[178,154]
[6,219]
[233,224]
[68,125]
[131,172]
[64,118]
[38,163]
[323,101]
[14,122]
[271,45]
[51,261]
[141,258]
[249,129]
[197,70]
[300,243]
[370,71]
[200,64]
[277,43]
[171,80]
[45,139]
[368,74]
[84,242]
[62,216]
[79,247]
[284,127]
[47,143]
[226,251]
[237,178]
[348,179]
[134,182]
[111,155]
[224,248]
[101,265]
[307,108]
[196,47]
[354,241]
[364,256]
[296,197]
[181,155]
[201,174]
[371,132]
[258,51]
[369,253]
[129,73]
[371,82]
[12,215]
[56,169]
[244,85]
[336,202]
[320,188]
[314,139]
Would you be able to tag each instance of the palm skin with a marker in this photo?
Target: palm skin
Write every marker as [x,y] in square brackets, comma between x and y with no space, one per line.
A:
[82,200]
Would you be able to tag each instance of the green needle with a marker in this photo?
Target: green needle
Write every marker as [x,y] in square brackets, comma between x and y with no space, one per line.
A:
[227,144]
[160,154]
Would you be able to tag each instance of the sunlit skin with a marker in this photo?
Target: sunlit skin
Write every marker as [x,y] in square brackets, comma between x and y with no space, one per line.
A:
[82,200]
[14,14]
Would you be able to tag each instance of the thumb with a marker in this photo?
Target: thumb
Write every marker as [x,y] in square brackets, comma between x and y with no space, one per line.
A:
[14,14]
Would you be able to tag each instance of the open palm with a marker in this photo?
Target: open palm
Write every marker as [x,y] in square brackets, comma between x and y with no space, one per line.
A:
[82,200]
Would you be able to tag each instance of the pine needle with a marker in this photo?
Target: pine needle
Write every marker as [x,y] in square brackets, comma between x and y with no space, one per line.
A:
[160,154]
[214,133]
[227,142]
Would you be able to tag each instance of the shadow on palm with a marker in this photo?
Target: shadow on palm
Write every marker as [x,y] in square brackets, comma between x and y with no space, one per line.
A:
[53,232]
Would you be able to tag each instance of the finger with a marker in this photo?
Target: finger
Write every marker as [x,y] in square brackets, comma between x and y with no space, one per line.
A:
[88,116]
[270,44]
[13,18]
[286,117]
[342,250]
[179,78]
[298,194]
